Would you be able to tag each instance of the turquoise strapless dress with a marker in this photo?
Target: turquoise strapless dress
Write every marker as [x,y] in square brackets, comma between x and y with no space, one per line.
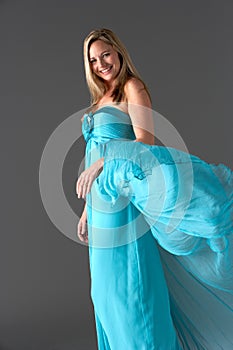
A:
[160,224]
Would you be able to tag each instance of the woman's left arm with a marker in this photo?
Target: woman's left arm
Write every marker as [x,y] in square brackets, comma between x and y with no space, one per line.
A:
[140,111]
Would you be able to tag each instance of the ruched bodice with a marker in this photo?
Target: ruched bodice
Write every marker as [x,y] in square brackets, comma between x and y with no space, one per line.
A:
[104,125]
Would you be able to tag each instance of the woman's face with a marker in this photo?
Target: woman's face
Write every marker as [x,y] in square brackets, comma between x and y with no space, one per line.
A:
[104,61]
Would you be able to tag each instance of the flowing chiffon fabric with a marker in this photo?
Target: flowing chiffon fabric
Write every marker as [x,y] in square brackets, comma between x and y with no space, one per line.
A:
[160,224]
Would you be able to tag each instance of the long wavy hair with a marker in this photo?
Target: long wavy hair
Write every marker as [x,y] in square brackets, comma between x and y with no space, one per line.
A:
[95,84]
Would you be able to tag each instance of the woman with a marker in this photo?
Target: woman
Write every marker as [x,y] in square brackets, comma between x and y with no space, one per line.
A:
[143,296]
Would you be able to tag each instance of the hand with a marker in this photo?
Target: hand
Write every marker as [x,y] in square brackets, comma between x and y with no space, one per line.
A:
[87,177]
[82,231]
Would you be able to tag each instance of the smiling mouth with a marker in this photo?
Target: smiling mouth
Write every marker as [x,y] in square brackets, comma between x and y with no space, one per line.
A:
[106,70]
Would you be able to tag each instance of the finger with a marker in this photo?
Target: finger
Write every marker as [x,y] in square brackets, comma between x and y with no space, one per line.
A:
[79,185]
[79,231]
[89,186]
[85,238]
[80,188]
[82,191]
[85,185]
[81,236]
[85,188]
[80,228]
[82,231]
[85,235]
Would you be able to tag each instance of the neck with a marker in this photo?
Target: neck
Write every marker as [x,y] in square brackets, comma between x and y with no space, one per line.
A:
[110,86]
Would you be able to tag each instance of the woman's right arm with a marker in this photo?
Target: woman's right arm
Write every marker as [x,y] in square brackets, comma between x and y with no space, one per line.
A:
[82,231]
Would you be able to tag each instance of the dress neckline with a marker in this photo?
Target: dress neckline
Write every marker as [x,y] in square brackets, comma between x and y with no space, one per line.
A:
[107,106]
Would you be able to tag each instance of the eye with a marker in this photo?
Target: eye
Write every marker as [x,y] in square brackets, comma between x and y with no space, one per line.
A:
[92,61]
[106,54]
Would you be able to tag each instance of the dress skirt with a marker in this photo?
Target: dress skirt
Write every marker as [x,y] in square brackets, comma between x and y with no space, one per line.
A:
[160,226]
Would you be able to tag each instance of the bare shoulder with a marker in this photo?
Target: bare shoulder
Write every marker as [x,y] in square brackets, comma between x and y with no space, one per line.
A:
[136,92]
[133,85]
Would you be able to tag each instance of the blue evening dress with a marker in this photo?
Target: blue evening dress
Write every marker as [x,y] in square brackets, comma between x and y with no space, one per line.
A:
[160,224]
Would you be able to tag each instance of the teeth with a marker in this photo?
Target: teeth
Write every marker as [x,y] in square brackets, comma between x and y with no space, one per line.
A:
[105,70]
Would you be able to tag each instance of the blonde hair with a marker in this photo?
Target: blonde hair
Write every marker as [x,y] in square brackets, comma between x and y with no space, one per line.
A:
[95,84]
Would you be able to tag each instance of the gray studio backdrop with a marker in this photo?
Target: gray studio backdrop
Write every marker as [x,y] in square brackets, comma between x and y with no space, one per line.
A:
[183,50]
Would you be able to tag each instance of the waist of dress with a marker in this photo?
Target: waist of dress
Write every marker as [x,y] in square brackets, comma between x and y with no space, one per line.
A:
[96,139]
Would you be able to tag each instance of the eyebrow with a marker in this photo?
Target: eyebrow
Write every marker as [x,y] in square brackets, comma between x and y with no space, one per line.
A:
[100,54]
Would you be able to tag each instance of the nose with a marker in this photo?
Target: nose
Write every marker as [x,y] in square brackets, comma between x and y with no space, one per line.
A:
[102,62]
